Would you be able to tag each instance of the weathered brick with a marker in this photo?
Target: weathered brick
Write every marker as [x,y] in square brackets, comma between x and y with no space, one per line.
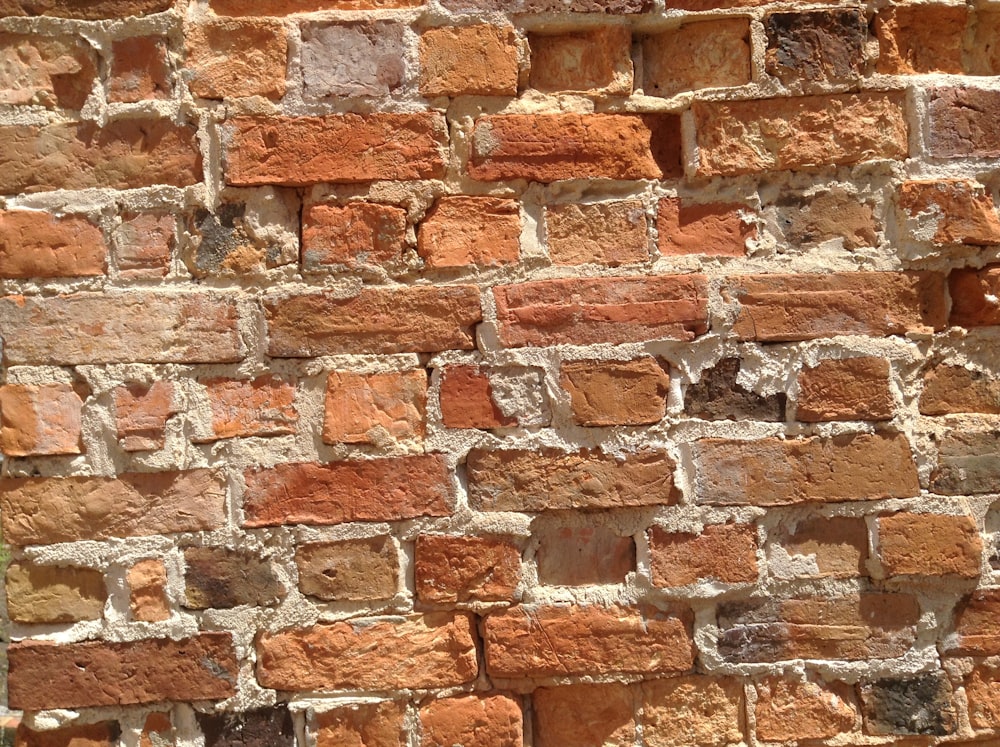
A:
[951,211]
[89,328]
[606,233]
[718,395]
[468,60]
[587,640]
[264,727]
[550,147]
[968,463]
[584,715]
[147,584]
[910,705]
[286,7]
[976,632]
[827,216]
[921,38]
[780,308]
[378,724]
[982,688]
[472,721]
[355,490]
[745,137]
[466,569]
[692,710]
[578,556]
[368,408]
[913,544]
[724,552]
[547,479]
[597,61]
[604,393]
[777,472]
[835,547]
[713,54]
[40,419]
[99,673]
[264,406]
[714,229]
[974,297]
[950,389]
[144,245]
[47,70]
[54,594]
[125,154]
[584,311]
[845,389]
[982,57]
[416,651]
[103,734]
[140,70]
[462,231]
[376,320]
[963,122]
[218,578]
[351,570]
[851,628]
[358,233]
[549,6]
[92,10]
[352,59]
[822,45]
[792,710]
[229,58]
[344,148]
[467,399]
[46,510]
[141,413]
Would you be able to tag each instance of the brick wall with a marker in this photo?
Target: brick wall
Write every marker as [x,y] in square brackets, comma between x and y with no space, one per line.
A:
[558,373]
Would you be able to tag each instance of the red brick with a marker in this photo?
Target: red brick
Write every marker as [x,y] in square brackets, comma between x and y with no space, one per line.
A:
[577,556]
[157,731]
[607,233]
[550,147]
[99,673]
[547,479]
[957,211]
[963,123]
[929,545]
[467,399]
[141,413]
[264,406]
[694,710]
[46,510]
[358,233]
[367,408]
[287,7]
[780,308]
[835,547]
[823,45]
[92,10]
[605,393]
[103,734]
[468,60]
[46,70]
[745,137]
[380,724]
[713,54]
[42,419]
[584,311]
[143,245]
[147,584]
[714,230]
[597,61]
[463,231]
[140,70]
[90,328]
[54,594]
[376,320]
[466,569]
[724,552]
[358,490]
[34,244]
[584,715]
[341,148]
[845,389]
[778,472]
[416,651]
[354,570]
[921,38]
[793,710]
[572,640]
[472,721]
[228,58]
[949,389]
[126,154]
[974,297]
[976,631]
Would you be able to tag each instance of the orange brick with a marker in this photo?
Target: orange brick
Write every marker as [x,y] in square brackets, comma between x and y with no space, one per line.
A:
[34,244]
[818,548]
[789,710]
[157,731]
[949,389]
[230,58]
[974,297]
[286,7]
[36,420]
[467,399]
[140,69]
[363,724]
[714,230]
[597,61]
[929,545]
[604,393]
[847,389]
[921,38]
[141,413]
[584,715]
[462,231]
[147,583]
[259,407]
[724,552]
[358,233]
[606,233]
[468,60]
[104,734]
[466,569]
[957,211]
[577,556]
[692,710]
[472,721]
[354,570]
[51,71]
[54,594]
[366,408]
[712,54]
[976,632]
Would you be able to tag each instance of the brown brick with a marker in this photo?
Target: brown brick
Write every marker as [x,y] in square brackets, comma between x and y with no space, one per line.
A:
[147,584]
[604,393]
[776,472]
[692,710]
[822,45]
[351,570]
[40,419]
[780,308]
[983,55]
[585,311]
[606,233]
[974,297]
[363,724]
[140,70]
[591,61]
[713,230]
[54,594]
[103,734]
[793,710]
[92,10]
[341,148]
[417,651]
[834,547]
[550,147]
[851,628]
[462,231]
[143,245]
[929,545]
[358,233]
[724,552]
[345,60]
[468,60]
[357,490]
[827,216]
[34,244]
[549,6]
[584,715]
[472,721]
[126,154]
[90,328]
[141,413]
[98,673]
[713,54]
[376,320]
[910,705]
[949,389]
[47,510]
[577,556]
[47,70]
[976,632]
[287,7]
[921,38]
[718,395]
[367,408]
[968,463]
[263,727]
[745,137]
[466,569]
[218,578]
[264,406]
[547,479]
[228,58]
[467,399]
[591,640]
[954,211]
[963,123]
[845,389]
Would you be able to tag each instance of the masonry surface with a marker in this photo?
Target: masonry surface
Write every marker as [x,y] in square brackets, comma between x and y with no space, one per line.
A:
[542,373]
